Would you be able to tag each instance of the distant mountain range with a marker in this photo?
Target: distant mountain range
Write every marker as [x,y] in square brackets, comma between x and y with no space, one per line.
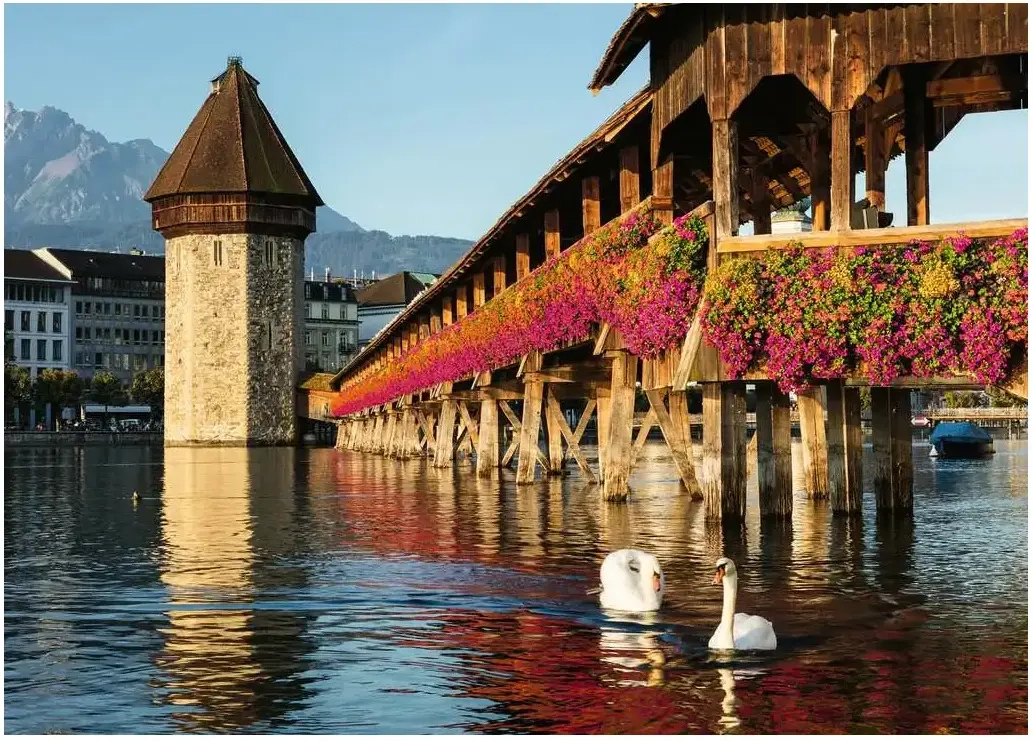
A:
[67,186]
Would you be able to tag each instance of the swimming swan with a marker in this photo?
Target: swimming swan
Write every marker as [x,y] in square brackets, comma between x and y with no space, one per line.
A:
[739,630]
[632,581]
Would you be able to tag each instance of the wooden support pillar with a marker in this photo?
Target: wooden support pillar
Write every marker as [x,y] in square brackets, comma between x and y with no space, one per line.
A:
[891,446]
[724,451]
[378,431]
[488,439]
[554,431]
[845,451]
[917,120]
[531,422]
[876,158]
[478,291]
[774,452]
[591,215]
[446,311]
[444,445]
[435,323]
[842,175]
[760,198]
[619,454]
[602,425]
[552,233]
[674,425]
[663,190]
[391,436]
[498,275]
[726,177]
[820,186]
[629,178]
[812,435]
[461,304]
[523,255]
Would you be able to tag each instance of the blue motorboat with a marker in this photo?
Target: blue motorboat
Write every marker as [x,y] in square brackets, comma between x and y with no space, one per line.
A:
[961,440]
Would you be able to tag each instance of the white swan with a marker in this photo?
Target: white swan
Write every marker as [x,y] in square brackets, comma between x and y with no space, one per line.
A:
[632,581]
[739,631]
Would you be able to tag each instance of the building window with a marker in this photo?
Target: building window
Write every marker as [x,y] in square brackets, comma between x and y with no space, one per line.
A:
[8,349]
[41,349]
[58,350]
[136,310]
[308,338]
[139,362]
[308,310]
[41,321]
[154,337]
[98,308]
[8,320]
[163,312]
[86,307]
[78,307]
[78,333]
[154,311]
[162,336]
[217,252]
[269,255]
[107,308]
[26,321]
[308,291]
[326,361]
[118,309]
[326,311]
[107,333]
[88,332]
[57,321]
[136,336]
[326,339]
[26,350]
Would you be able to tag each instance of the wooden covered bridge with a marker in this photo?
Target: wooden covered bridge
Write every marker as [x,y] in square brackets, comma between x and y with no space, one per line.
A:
[749,109]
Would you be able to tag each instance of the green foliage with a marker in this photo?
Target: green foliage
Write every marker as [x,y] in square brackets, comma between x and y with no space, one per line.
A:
[61,388]
[866,397]
[17,386]
[1001,398]
[148,388]
[107,389]
[962,399]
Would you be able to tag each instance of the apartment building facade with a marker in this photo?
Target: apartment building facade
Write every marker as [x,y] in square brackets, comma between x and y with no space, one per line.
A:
[37,321]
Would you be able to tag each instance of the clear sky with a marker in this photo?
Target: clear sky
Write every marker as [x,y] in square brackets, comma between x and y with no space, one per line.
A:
[414,119]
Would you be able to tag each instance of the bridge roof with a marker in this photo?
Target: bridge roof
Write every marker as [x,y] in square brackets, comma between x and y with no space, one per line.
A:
[627,42]
[233,146]
[637,105]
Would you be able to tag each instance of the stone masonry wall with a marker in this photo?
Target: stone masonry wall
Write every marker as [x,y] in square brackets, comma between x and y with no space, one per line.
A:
[222,385]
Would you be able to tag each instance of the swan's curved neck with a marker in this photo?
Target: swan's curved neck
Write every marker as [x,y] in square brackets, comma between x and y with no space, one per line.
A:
[728,610]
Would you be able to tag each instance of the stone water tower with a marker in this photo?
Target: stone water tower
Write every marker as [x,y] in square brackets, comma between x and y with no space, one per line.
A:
[235,207]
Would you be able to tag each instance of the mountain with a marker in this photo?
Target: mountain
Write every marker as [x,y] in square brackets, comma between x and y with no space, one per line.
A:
[67,186]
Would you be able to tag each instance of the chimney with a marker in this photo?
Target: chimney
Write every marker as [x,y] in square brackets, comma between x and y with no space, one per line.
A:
[312,274]
[328,274]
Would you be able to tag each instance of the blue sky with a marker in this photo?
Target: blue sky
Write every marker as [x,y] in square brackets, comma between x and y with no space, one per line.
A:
[417,119]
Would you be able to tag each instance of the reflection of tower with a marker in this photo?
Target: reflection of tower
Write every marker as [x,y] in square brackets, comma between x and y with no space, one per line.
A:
[227,514]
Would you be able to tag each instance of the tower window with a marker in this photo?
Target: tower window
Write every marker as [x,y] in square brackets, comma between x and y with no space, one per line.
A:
[269,253]
[217,252]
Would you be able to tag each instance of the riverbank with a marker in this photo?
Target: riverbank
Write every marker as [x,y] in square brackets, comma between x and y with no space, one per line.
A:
[26,439]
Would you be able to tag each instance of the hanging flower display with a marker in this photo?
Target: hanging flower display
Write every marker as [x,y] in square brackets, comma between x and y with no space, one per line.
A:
[930,309]
[643,280]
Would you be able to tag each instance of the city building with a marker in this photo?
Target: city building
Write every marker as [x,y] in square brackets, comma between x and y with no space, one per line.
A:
[382,301]
[234,206]
[331,325]
[37,324]
[118,309]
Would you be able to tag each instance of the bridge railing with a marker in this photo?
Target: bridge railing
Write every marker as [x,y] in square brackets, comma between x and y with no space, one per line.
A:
[978,413]
[869,237]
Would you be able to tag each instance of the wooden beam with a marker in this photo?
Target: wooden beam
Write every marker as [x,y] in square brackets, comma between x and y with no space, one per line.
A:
[552,234]
[554,434]
[461,305]
[724,451]
[446,311]
[821,195]
[498,277]
[618,439]
[629,178]
[530,425]
[917,120]
[590,208]
[478,290]
[726,178]
[663,190]
[876,160]
[774,452]
[523,255]
[444,445]
[760,201]
[844,448]
[810,403]
[573,438]
[676,430]
[842,175]
[891,447]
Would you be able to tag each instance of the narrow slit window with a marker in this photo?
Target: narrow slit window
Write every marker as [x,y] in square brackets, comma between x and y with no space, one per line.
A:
[217,252]
[269,253]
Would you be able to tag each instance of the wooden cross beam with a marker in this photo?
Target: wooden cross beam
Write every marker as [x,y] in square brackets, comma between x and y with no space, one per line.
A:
[573,439]
[515,444]
[678,439]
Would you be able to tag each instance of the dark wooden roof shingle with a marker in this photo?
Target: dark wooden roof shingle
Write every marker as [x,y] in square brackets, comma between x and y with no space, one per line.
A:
[27,265]
[233,146]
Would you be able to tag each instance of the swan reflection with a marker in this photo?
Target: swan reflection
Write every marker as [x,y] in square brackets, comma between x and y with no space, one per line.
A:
[630,652]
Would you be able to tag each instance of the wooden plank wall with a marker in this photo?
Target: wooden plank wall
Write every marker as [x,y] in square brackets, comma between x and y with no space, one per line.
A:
[723,51]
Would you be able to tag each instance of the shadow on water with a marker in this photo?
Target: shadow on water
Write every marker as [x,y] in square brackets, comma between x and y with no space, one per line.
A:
[325,591]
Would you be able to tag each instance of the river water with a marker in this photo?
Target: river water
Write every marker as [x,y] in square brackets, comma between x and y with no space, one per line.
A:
[312,590]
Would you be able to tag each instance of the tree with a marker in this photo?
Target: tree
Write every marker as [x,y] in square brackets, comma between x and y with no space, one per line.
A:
[108,390]
[1001,398]
[962,399]
[17,387]
[148,388]
[59,388]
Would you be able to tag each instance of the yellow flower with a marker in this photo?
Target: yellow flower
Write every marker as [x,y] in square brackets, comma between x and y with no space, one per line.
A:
[937,280]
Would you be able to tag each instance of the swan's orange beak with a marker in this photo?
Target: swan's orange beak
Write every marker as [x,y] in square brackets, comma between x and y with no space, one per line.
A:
[719,574]
[656,582]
